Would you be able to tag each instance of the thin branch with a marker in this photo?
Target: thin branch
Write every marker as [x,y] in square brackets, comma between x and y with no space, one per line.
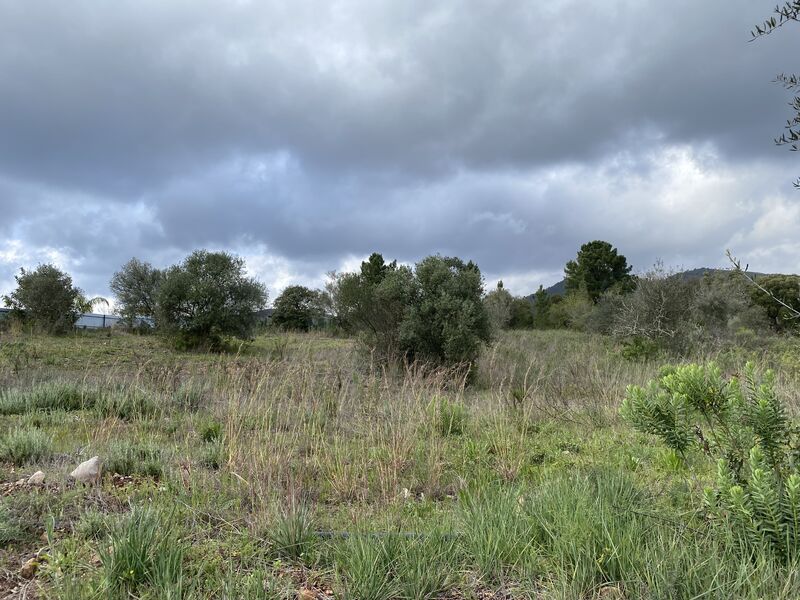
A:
[795,314]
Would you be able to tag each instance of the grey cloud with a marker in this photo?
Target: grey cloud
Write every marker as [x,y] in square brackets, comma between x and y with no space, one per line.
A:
[129,95]
[312,132]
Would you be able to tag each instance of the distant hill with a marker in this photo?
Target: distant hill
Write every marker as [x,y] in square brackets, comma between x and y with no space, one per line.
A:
[560,288]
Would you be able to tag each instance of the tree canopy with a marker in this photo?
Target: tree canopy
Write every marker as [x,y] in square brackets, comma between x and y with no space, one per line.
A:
[296,308]
[597,268]
[46,299]
[433,313]
[135,287]
[209,297]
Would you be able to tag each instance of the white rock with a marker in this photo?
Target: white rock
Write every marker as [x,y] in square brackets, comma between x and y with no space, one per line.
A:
[88,472]
[37,478]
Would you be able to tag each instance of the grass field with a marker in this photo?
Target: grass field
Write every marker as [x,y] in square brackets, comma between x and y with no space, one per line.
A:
[295,468]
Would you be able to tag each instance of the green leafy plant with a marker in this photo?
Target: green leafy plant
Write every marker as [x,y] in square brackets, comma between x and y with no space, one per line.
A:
[743,425]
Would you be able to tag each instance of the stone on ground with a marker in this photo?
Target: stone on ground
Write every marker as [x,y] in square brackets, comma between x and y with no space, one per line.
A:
[37,478]
[88,472]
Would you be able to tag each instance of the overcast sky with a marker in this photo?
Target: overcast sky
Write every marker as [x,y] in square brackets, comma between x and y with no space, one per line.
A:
[304,135]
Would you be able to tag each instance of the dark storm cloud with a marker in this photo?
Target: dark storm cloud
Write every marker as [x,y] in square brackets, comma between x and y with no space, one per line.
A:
[309,134]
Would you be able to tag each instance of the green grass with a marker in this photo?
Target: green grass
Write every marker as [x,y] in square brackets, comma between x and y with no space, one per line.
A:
[24,446]
[526,483]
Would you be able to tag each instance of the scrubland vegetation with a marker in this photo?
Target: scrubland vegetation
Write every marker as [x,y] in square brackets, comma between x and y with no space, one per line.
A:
[402,434]
[298,467]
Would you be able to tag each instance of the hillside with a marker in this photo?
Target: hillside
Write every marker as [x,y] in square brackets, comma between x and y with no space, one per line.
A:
[560,288]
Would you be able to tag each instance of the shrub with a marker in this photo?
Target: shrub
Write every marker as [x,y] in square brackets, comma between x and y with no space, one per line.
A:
[498,305]
[659,309]
[447,323]
[210,430]
[639,349]
[213,455]
[297,308]
[433,313]
[135,287]
[780,300]
[743,425]
[521,314]
[21,446]
[49,397]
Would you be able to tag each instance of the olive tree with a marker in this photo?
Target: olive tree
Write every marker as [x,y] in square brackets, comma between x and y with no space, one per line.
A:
[433,313]
[46,299]
[297,308]
[135,288]
[209,297]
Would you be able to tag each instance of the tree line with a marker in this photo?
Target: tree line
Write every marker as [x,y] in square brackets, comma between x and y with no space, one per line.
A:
[436,311]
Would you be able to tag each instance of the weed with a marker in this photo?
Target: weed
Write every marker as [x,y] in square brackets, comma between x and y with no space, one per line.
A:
[50,396]
[190,396]
[126,404]
[213,455]
[10,530]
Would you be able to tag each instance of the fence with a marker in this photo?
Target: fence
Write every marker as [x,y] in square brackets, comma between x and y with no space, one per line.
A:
[95,320]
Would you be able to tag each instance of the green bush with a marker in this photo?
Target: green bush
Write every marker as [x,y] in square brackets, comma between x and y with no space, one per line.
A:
[742,424]
[433,313]
[207,298]
[213,455]
[639,349]
[46,299]
[22,446]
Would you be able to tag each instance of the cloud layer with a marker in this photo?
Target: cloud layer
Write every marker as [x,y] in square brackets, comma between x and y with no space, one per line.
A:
[304,135]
